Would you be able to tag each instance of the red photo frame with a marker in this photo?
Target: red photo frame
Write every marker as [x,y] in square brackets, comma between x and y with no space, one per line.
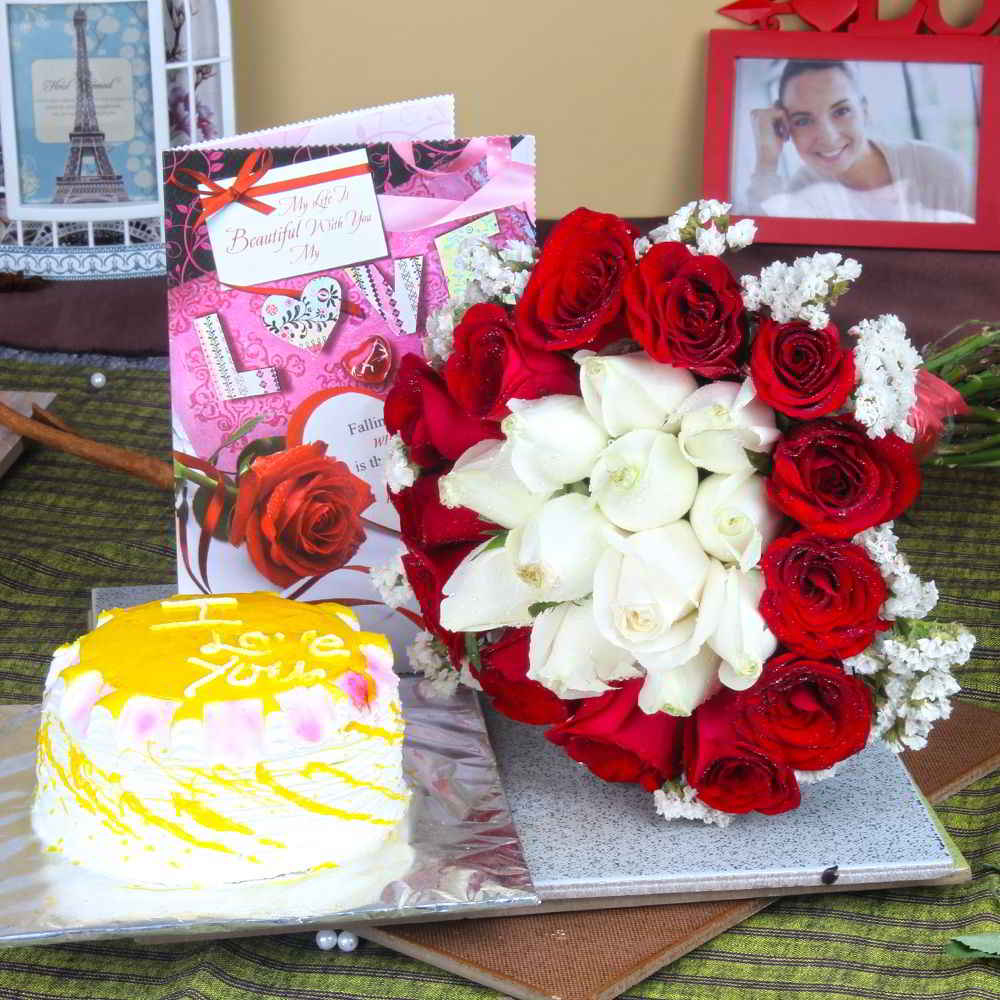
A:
[727,48]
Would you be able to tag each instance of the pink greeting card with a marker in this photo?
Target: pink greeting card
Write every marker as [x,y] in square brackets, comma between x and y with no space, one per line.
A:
[298,278]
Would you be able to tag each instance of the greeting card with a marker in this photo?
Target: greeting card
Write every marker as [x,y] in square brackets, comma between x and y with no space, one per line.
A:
[299,277]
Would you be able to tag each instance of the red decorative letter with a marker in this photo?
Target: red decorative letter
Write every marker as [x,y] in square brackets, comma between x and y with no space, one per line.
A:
[989,15]
[868,22]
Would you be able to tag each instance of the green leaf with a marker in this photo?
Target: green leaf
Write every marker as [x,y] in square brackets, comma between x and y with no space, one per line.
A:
[497,541]
[240,431]
[472,650]
[536,609]
[199,505]
[255,449]
[974,946]
[761,461]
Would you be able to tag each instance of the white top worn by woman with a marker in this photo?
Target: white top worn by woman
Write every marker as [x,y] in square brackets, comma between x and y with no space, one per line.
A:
[929,184]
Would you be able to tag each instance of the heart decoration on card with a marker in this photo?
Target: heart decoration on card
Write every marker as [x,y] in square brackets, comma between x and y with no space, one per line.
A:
[306,321]
[370,362]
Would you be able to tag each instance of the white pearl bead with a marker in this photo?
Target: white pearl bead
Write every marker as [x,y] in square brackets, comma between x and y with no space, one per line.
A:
[347,941]
[98,380]
[326,940]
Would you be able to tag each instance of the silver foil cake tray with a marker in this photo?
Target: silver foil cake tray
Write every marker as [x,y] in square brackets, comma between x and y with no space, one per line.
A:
[461,856]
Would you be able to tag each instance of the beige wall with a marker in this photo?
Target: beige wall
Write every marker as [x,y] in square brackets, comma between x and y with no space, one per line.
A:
[614,91]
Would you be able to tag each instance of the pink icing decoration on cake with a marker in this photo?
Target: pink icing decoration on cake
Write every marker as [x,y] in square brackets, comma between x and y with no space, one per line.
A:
[309,712]
[144,720]
[355,686]
[78,701]
[234,731]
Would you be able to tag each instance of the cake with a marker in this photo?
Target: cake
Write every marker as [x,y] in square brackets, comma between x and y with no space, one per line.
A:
[198,741]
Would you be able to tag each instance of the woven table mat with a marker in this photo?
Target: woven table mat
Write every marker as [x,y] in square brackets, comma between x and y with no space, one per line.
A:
[66,527]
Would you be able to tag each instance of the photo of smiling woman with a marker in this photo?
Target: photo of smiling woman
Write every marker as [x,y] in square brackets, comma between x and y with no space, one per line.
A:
[822,139]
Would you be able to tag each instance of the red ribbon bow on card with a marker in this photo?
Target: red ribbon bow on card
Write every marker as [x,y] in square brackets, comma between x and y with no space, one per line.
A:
[255,166]
[246,184]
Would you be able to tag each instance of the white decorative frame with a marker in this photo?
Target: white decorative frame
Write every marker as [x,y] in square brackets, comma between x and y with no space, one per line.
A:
[113,239]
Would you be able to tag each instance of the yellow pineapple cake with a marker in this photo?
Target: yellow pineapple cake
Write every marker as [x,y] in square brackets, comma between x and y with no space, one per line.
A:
[198,741]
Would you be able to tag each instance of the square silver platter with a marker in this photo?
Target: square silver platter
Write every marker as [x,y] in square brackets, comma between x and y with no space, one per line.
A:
[591,844]
[462,858]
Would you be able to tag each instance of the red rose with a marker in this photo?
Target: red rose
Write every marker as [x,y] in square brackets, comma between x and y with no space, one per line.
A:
[799,371]
[728,771]
[300,513]
[428,571]
[822,596]
[574,295]
[808,714]
[504,677]
[488,366]
[831,477]
[425,522]
[618,741]
[433,425]
[687,310]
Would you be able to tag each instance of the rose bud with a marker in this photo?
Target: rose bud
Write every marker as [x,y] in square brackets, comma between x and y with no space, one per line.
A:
[720,422]
[483,480]
[502,674]
[831,477]
[733,518]
[570,657]
[553,441]
[739,634]
[807,713]
[574,295]
[488,365]
[627,391]
[642,480]
[686,310]
[728,771]
[434,427]
[680,690]
[822,597]
[617,741]
[801,372]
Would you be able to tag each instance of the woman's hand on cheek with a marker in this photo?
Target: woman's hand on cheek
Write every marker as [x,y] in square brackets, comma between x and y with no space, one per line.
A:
[770,131]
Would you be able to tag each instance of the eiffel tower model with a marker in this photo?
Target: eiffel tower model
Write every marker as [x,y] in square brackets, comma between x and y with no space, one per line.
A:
[87,139]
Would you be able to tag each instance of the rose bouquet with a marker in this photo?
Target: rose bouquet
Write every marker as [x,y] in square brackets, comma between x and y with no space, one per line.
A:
[650,507]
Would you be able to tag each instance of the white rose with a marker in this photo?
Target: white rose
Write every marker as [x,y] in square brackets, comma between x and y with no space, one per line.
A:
[484,592]
[720,422]
[643,481]
[680,690]
[557,549]
[570,657]
[553,441]
[623,392]
[733,518]
[484,481]
[646,592]
[740,637]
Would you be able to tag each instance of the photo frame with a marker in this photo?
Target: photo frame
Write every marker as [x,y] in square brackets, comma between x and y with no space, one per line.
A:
[877,141]
[83,108]
[180,55]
